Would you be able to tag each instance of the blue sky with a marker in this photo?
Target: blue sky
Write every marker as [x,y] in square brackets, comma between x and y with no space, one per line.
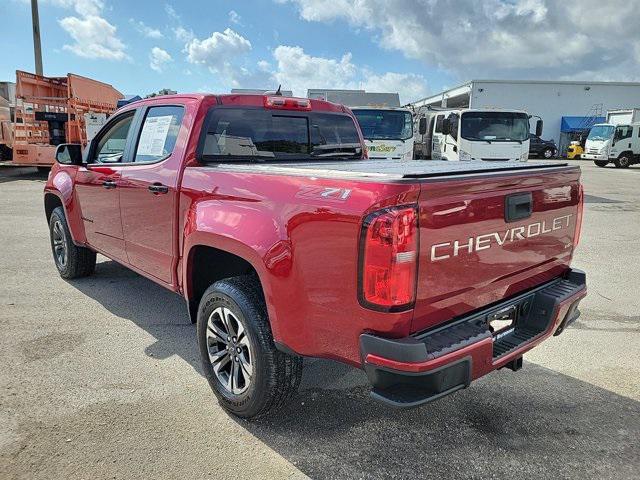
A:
[264,24]
[411,46]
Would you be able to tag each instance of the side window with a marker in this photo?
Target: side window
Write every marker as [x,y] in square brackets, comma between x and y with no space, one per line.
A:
[439,119]
[453,119]
[158,134]
[110,148]
[623,132]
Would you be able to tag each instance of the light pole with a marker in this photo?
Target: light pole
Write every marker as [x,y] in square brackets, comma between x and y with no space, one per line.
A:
[37,49]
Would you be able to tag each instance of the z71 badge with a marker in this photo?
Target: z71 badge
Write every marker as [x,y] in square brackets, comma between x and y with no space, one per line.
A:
[324,193]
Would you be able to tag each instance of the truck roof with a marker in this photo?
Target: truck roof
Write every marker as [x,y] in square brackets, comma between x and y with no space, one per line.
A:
[255,100]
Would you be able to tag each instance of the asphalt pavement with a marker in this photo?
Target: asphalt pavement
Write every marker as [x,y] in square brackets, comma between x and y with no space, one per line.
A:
[101,378]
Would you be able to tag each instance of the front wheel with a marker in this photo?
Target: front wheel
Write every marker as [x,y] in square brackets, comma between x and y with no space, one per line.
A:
[600,163]
[246,372]
[548,153]
[71,261]
[623,161]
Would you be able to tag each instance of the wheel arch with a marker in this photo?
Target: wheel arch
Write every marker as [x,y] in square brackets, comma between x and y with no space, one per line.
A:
[208,260]
[51,202]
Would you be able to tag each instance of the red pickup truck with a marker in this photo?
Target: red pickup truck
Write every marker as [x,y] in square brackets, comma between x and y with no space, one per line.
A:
[264,213]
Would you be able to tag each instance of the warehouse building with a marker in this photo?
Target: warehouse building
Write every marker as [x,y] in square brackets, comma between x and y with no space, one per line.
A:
[568,108]
[355,98]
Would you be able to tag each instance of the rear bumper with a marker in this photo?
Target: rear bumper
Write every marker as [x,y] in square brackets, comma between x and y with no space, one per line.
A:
[415,370]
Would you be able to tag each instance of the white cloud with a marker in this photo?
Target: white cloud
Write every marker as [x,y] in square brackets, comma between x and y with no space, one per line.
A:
[497,38]
[82,7]
[410,86]
[299,71]
[171,12]
[146,30]
[234,17]
[220,53]
[182,34]
[158,58]
[94,38]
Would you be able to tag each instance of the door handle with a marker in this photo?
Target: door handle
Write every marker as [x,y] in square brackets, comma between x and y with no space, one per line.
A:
[157,188]
[108,184]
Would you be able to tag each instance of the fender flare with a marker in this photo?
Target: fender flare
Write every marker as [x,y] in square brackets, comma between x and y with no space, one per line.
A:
[62,186]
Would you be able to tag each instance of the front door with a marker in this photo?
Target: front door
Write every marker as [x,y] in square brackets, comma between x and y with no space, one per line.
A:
[148,197]
[97,188]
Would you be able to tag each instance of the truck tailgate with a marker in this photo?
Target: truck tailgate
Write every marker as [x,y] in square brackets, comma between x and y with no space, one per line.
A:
[485,238]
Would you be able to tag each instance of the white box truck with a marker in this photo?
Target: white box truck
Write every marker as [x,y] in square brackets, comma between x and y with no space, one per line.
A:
[616,141]
[387,132]
[473,134]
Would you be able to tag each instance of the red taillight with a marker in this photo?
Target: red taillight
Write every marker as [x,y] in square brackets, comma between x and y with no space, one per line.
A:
[388,259]
[578,232]
[287,103]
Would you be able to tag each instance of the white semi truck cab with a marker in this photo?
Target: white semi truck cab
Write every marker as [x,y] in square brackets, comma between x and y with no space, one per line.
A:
[387,131]
[618,144]
[474,134]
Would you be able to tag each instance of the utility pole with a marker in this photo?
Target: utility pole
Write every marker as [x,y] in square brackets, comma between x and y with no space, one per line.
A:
[37,49]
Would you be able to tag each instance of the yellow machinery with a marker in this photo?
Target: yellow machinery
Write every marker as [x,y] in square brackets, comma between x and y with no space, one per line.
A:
[574,150]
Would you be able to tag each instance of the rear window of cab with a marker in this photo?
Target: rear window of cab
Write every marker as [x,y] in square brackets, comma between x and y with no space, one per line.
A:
[264,134]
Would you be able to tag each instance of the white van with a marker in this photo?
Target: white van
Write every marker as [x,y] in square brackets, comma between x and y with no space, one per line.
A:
[474,134]
[387,131]
[619,144]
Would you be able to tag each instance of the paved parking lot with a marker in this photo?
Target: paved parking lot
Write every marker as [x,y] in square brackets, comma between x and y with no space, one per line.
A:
[100,378]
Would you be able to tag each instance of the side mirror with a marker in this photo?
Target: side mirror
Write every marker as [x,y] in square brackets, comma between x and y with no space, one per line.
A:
[446,126]
[69,154]
[539,125]
[422,126]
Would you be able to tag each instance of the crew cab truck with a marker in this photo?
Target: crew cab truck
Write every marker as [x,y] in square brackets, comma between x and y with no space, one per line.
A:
[473,134]
[285,241]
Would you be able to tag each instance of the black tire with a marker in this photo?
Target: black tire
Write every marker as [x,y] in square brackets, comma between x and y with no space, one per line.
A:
[601,163]
[547,153]
[79,261]
[275,375]
[623,161]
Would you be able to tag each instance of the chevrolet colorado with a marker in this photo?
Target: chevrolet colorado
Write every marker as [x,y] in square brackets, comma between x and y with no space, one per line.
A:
[264,213]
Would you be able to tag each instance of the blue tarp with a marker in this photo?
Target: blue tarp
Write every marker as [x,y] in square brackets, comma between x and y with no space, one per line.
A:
[128,99]
[579,124]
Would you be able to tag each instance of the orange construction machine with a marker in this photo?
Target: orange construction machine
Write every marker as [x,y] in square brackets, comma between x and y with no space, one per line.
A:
[53,110]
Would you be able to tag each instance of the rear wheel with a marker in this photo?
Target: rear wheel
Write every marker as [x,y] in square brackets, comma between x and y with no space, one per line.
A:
[623,161]
[71,261]
[600,163]
[248,375]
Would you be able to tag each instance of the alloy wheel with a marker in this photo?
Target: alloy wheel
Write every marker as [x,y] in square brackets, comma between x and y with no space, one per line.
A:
[229,351]
[59,244]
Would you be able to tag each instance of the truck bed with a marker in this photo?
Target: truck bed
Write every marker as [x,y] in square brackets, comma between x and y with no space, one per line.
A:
[387,169]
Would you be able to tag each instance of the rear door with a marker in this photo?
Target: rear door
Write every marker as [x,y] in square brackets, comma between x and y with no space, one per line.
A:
[149,190]
[485,238]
